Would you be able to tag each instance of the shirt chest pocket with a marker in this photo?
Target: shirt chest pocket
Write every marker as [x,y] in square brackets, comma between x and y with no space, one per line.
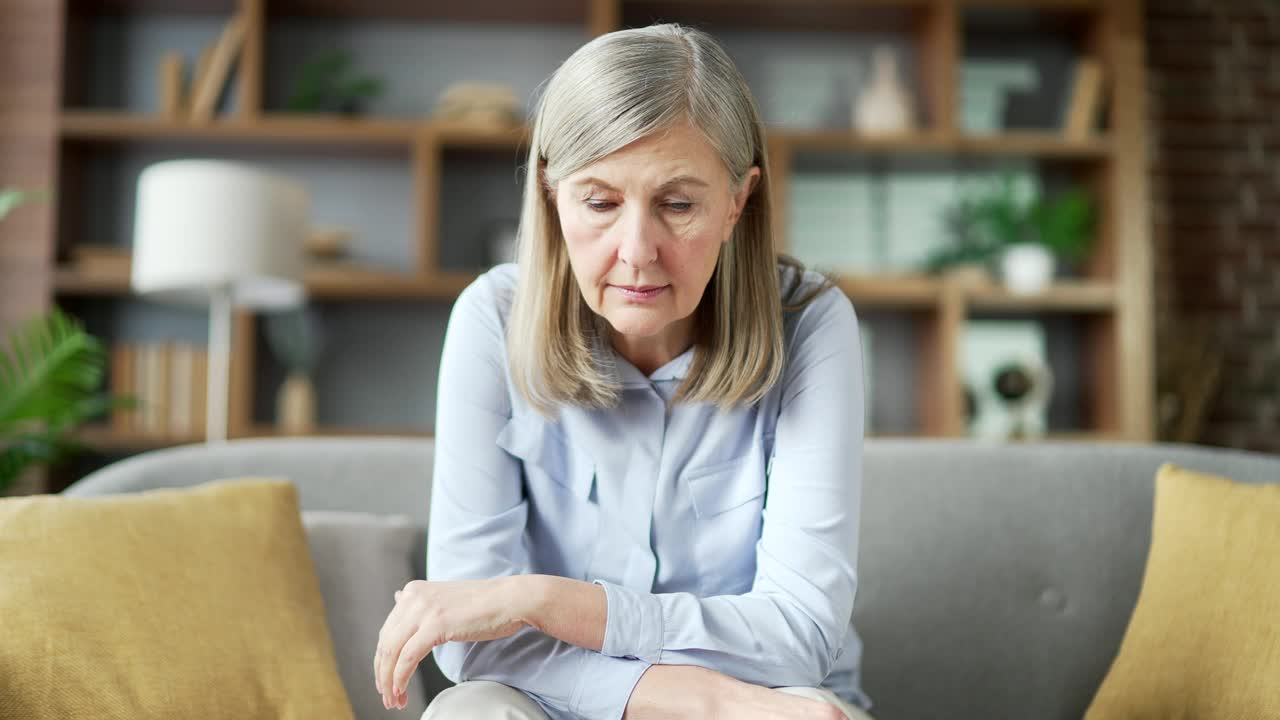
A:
[551,464]
[559,485]
[728,504]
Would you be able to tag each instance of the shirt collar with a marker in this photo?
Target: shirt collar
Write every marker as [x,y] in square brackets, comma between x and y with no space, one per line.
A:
[628,375]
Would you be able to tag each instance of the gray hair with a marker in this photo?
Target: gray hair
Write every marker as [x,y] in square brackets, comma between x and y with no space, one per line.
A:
[616,89]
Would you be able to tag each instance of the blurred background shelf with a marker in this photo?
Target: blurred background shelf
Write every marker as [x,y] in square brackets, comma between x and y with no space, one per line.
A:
[108,126]
[423,198]
[321,283]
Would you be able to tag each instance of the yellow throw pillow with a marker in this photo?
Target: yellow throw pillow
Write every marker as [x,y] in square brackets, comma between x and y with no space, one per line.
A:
[1204,638]
[175,603]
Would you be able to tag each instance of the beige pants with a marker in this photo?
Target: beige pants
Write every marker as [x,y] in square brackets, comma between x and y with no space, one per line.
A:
[488,700]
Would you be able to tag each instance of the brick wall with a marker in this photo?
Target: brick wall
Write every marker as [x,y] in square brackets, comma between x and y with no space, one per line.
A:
[1214,100]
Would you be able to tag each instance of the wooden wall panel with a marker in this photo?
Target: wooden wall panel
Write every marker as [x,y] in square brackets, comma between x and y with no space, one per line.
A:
[30,67]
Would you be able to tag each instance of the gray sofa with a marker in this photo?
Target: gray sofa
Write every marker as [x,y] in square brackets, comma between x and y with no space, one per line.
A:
[996,580]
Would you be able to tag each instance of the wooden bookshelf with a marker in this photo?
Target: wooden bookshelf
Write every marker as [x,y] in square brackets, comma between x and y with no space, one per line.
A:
[1113,300]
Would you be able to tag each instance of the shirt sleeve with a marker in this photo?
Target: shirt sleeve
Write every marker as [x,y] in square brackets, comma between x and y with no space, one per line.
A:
[791,626]
[477,527]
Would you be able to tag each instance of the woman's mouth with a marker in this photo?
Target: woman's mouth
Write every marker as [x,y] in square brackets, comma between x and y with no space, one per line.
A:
[639,292]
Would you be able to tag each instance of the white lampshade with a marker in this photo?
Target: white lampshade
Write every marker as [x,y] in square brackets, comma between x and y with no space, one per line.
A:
[203,226]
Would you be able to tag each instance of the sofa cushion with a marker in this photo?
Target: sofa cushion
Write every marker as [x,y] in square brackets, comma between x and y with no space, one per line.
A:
[1203,638]
[199,602]
[362,559]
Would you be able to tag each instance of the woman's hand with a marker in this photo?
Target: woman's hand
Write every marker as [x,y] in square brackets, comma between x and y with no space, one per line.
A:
[428,614]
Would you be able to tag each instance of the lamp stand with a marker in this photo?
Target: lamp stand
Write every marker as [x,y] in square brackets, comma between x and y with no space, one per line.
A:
[219,379]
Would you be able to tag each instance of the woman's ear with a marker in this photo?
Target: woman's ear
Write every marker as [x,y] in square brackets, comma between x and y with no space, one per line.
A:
[740,197]
[548,189]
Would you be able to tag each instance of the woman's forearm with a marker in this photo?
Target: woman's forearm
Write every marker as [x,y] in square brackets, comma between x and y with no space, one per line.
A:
[570,610]
[667,692]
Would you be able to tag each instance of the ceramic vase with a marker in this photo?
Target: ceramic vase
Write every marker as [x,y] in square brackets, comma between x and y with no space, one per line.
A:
[884,106]
[296,405]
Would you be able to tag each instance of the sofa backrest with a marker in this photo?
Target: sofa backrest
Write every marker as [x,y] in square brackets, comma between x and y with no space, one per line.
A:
[995,580]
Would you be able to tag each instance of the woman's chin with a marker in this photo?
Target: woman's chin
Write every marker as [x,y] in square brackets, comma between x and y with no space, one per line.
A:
[637,322]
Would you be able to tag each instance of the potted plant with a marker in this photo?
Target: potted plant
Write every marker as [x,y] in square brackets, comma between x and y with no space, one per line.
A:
[50,373]
[50,370]
[1026,239]
[326,83]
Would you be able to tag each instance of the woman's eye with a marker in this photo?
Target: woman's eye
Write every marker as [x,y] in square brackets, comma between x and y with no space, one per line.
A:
[600,205]
[680,207]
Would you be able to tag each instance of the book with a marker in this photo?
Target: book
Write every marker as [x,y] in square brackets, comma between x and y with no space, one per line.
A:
[181,360]
[199,390]
[121,384]
[141,365]
[172,67]
[1086,98]
[205,96]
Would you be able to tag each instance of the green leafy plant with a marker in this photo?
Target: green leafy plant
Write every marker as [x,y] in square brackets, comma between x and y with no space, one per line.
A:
[326,84]
[989,221]
[50,373]
[50,369]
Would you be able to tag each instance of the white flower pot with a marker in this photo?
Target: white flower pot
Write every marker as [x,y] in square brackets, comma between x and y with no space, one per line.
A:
[1027,268]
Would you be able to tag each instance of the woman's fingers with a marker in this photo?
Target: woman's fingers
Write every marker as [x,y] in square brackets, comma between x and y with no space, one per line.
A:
[383,661]
[413,652]
[400,627]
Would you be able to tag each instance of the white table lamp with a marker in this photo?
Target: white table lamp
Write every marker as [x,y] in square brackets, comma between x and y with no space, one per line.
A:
[219,234]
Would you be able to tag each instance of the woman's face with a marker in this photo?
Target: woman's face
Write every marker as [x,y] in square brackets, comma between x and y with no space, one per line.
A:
[643,227]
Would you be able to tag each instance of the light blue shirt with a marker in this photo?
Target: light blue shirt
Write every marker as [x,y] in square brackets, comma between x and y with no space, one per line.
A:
[723,540]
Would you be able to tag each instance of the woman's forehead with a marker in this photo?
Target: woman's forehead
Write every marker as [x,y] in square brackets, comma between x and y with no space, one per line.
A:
[680,157]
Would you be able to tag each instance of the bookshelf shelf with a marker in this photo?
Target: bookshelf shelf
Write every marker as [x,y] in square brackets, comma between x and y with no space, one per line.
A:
[1065,295]
[322,283]
[108,126]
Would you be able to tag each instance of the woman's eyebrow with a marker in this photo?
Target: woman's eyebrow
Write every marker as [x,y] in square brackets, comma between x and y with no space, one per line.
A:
[673,182]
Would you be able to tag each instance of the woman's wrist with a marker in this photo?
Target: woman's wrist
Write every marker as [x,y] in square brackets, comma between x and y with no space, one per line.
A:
[526,596]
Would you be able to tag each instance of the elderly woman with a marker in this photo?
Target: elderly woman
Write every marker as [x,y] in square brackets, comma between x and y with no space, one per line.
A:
[648,455]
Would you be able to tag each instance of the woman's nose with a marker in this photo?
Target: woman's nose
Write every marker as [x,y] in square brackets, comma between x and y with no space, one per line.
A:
[638,243]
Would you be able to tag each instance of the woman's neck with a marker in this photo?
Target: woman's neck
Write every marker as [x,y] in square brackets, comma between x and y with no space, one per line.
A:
[650,353]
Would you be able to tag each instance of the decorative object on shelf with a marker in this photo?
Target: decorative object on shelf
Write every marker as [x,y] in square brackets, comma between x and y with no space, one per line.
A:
[479,103]
[1009,224]
[984,88]
[502,238]
[50,386]
[295,339]
[328,243]
[222,234]
[212,76]
[1086,100]
[1026,268]
[1007,380]
[172,85]
[884,106]
[327,83]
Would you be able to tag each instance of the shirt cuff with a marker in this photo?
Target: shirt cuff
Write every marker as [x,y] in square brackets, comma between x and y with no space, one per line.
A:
[605,685]
[634,626]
